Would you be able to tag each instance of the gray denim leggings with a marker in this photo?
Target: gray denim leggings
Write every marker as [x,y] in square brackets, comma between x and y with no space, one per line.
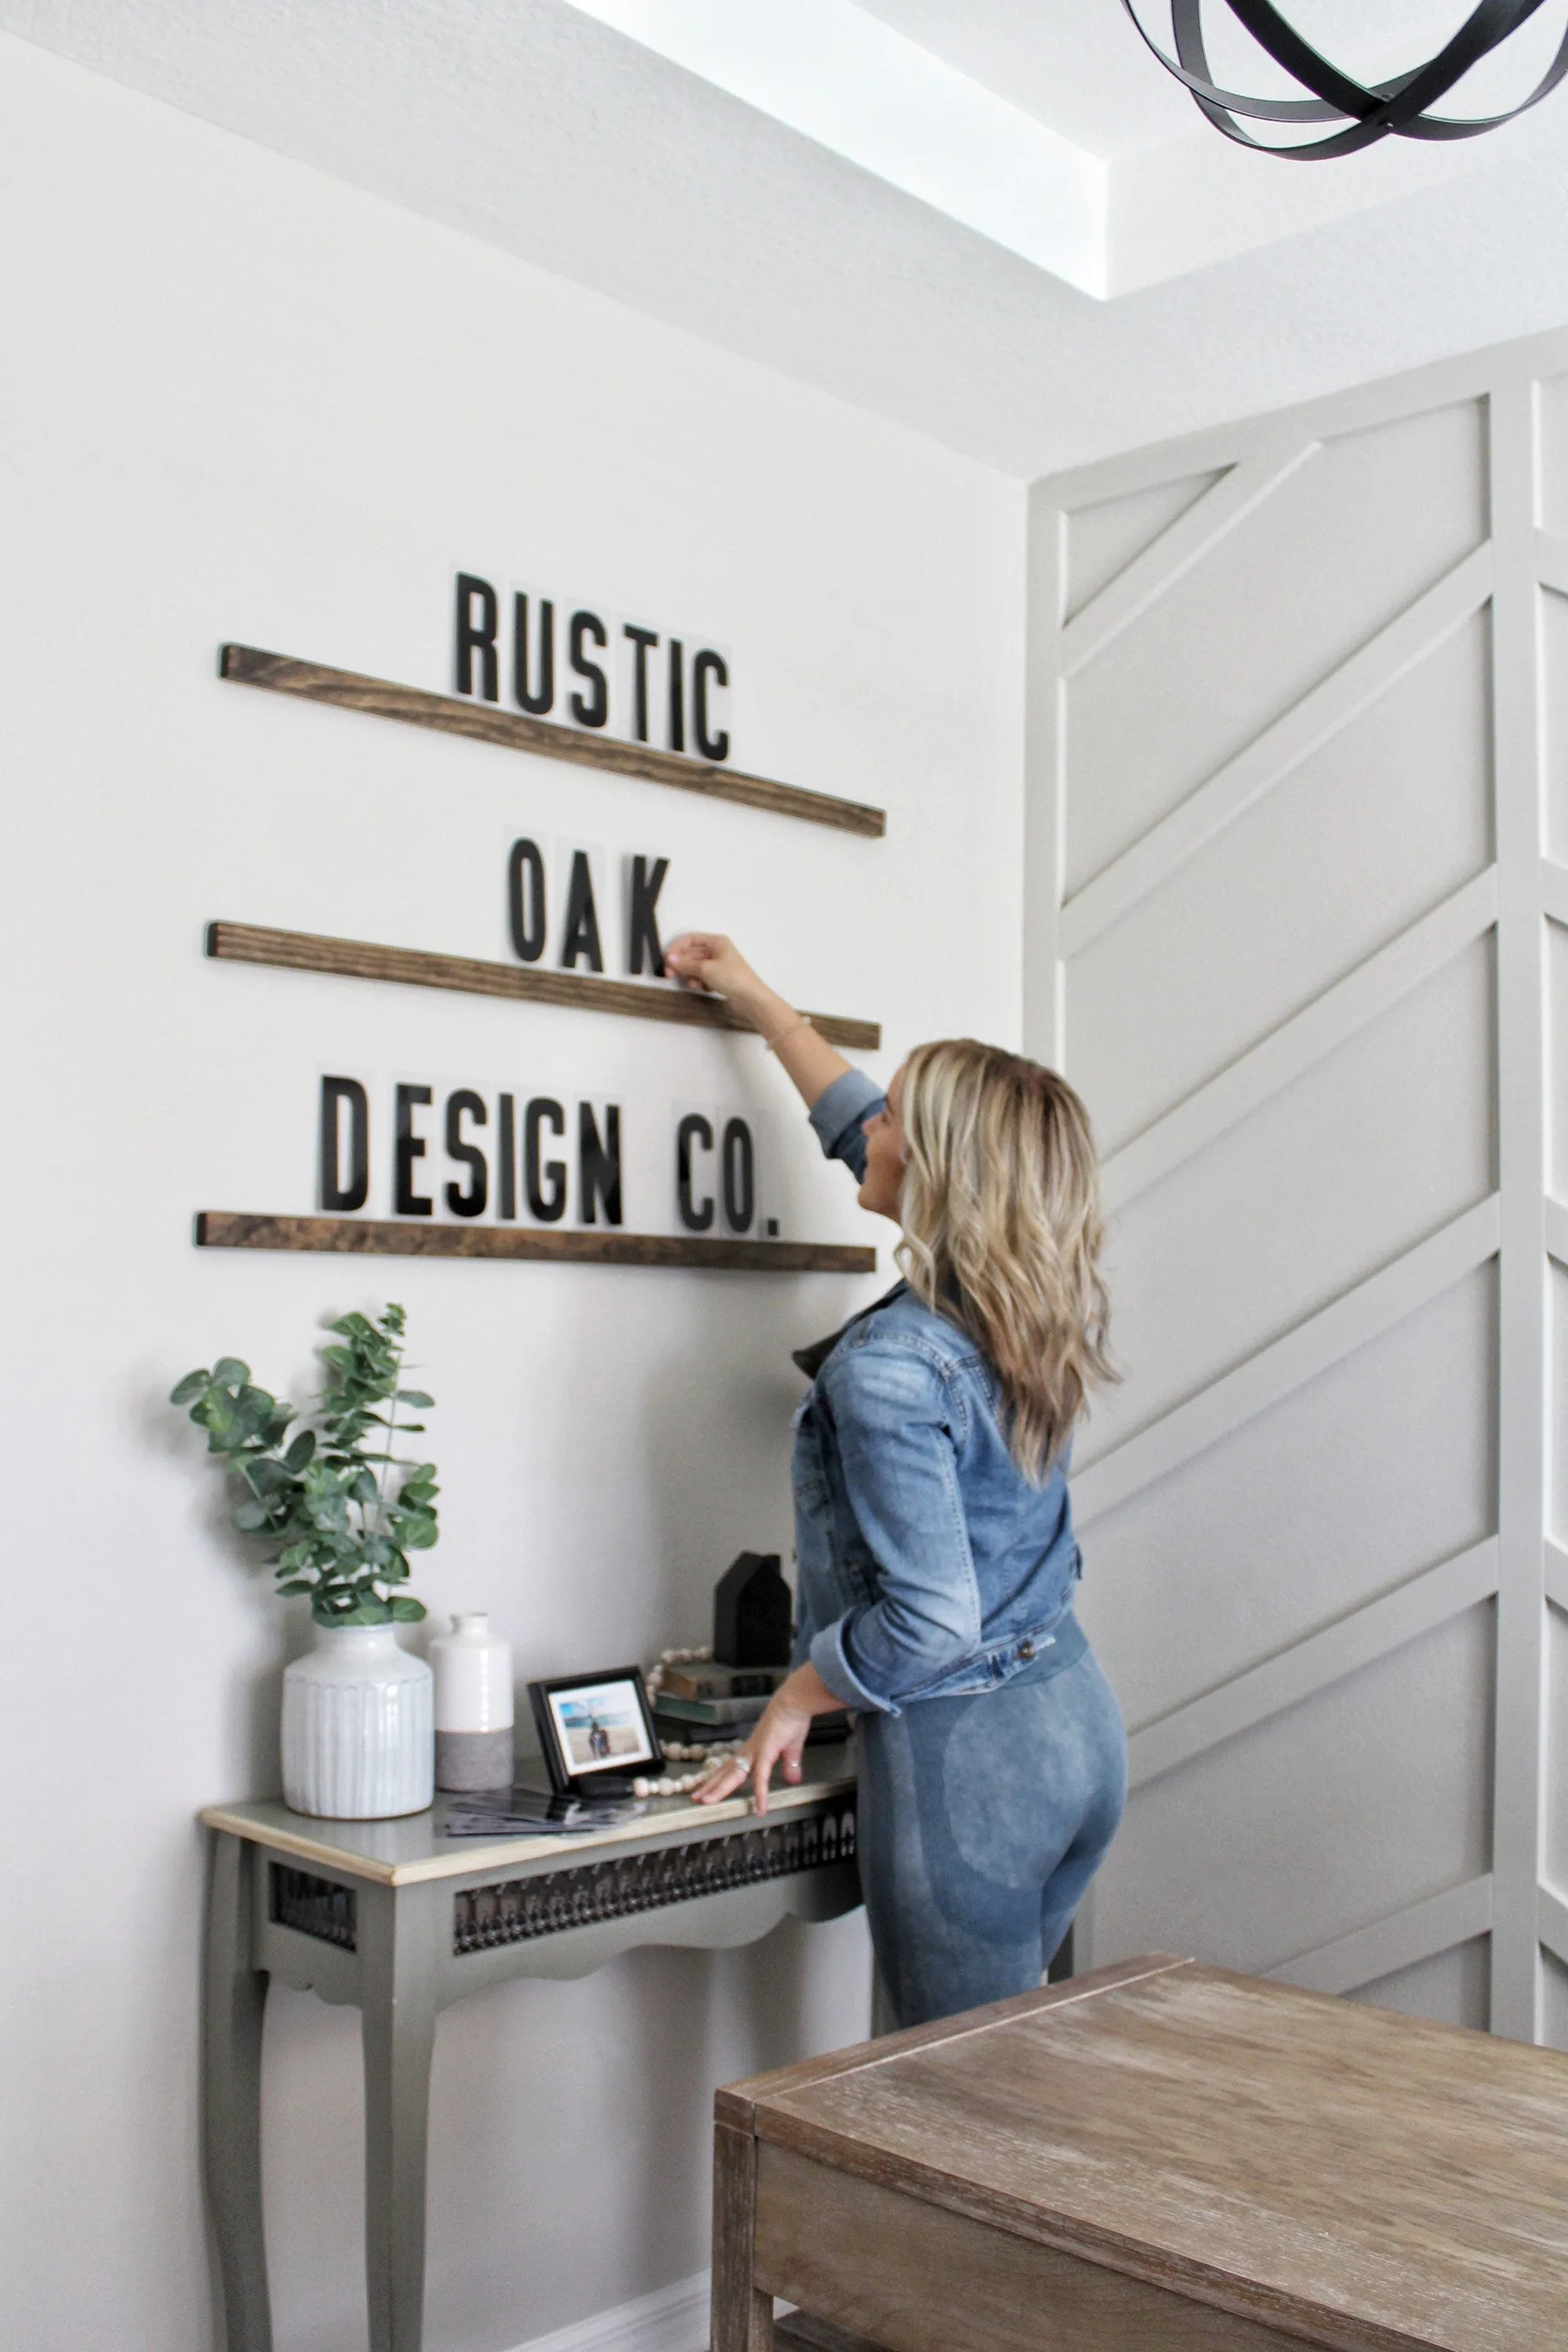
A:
[981,1821]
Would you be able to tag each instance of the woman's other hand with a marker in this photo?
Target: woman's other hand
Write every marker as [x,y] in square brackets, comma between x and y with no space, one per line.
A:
[779,1738]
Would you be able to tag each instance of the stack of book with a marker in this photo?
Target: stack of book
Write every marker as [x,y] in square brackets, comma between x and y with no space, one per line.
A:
[698,1702]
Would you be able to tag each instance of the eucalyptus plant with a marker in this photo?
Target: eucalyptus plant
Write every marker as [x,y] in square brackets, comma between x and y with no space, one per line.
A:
[344,1508]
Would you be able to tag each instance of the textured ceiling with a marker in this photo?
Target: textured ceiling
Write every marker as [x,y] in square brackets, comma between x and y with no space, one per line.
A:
[526,123]
[1076,65]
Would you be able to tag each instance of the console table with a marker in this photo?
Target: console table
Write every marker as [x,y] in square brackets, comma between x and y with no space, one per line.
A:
[401,1921]
[1155,2153]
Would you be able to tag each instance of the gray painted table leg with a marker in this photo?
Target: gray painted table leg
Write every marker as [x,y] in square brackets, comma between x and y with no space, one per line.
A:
[234,2004]
[397,1933]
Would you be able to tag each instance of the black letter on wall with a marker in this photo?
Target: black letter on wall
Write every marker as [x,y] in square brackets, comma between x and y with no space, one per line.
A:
[469,1199]
[407,1202]
[540,700]
[477,638]
[643,929]
[695,1215]
[677,696]
[506,1119]
[641,639]
[740,1176]
[525,899]
[589,711]
[599,1164]
[582,934]
[335,1193]
[547,1205]
[708,664]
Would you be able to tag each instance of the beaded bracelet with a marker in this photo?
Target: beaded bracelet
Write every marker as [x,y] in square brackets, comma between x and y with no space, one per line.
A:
[801,1021]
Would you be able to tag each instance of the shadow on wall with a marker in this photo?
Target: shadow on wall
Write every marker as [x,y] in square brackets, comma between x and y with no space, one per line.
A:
[716,1447]
[253,1695]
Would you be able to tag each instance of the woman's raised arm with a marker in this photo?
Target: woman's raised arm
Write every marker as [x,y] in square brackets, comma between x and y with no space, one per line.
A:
[713,966]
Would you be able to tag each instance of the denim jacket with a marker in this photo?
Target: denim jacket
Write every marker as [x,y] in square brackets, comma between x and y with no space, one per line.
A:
[929,1567]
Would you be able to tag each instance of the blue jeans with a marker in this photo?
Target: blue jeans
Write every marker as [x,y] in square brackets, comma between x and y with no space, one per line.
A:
[981,1821]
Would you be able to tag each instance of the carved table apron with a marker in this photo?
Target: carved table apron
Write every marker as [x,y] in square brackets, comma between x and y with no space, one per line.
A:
[401,1921]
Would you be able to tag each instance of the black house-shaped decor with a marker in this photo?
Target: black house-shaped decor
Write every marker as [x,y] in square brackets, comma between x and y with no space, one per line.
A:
[751,1612]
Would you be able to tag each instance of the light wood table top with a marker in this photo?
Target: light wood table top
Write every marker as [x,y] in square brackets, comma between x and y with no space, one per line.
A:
[404,1852]
[1338,2173]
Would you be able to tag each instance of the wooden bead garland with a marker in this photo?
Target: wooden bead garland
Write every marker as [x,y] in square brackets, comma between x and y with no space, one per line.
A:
[671,1784]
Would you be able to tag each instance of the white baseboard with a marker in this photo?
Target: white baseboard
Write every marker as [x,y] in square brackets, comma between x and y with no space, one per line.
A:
[671,2319]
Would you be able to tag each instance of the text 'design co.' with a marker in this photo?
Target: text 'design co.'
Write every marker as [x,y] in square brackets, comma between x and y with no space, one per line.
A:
[414,1149]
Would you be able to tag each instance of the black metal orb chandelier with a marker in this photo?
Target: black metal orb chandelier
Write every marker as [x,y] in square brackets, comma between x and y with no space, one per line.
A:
[1400,109]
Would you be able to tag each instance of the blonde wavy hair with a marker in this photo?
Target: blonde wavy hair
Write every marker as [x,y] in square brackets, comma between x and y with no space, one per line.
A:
[1002,1230]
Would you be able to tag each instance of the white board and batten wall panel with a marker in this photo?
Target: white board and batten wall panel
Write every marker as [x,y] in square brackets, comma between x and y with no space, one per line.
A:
[1297,930]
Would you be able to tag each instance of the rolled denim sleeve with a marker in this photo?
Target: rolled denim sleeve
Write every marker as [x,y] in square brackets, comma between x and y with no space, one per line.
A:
[839,1113]
[893,1409]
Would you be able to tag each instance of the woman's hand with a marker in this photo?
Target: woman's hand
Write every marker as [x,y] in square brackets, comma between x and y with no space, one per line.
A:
[707,962]
[779,1736]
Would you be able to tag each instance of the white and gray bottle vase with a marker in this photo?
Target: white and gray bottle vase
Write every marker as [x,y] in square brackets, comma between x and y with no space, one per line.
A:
[473,1705]
[358,1727]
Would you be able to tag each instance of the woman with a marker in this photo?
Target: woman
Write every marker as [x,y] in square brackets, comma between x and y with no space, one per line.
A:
[933,1532]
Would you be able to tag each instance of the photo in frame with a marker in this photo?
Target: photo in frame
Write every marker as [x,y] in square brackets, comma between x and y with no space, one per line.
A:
[594,1729]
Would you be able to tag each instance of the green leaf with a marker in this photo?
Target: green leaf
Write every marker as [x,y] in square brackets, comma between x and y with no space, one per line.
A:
[417,1398]
[297,1584]
[407,1611]
[300,1451]
[251,1518]
[229,1373]
[191,1386]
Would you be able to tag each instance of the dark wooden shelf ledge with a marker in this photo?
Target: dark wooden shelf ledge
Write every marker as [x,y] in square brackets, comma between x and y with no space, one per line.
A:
[388,1237]
[469,975]
[487,722]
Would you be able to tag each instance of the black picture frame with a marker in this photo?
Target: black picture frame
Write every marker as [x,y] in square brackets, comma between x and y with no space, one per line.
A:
[623,1697]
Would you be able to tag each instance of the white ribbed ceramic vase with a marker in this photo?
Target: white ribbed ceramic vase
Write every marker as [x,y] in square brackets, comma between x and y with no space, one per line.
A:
[359,1728]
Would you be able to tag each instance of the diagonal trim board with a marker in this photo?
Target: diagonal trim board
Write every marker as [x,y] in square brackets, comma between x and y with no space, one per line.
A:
[1308,1666]
[1556,1575]
[1554,891]
[1320,714]
[1186,542]
[1556,1221]
[1306,1039]
[1551,561]
[1551,1923]
[1374,1306]
[1417,1933]
[487,722]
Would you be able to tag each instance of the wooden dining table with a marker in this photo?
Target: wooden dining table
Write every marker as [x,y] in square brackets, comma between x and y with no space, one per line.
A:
[1157,2155]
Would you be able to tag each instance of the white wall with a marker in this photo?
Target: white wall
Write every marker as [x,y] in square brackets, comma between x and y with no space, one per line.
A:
[1296,902]
[240,401]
